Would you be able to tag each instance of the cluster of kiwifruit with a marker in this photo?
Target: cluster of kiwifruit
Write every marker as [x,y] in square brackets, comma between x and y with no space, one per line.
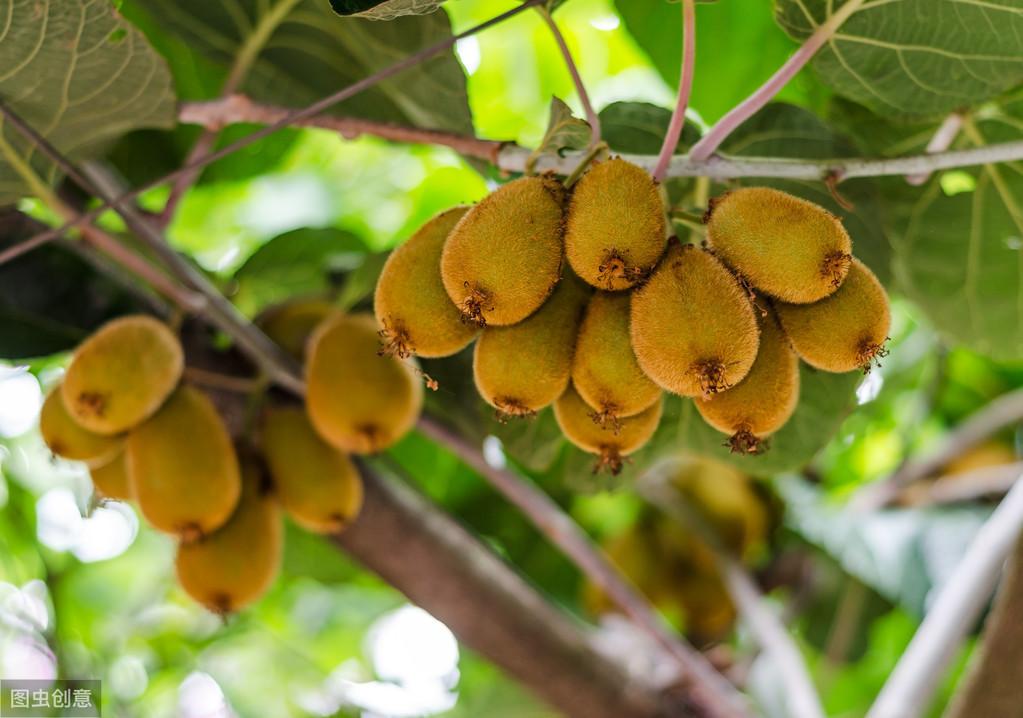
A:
[632,314]
[671,564]
[151,438]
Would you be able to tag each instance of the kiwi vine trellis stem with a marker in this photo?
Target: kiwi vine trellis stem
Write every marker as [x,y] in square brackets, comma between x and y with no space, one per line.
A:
[592,118]
[564,533]
[942,139]
[685,87]
[910,686]
[765,625]
[717,134]
[291,118]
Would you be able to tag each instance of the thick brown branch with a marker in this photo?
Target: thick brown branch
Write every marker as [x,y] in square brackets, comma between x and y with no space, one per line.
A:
[993,685]
[448,572]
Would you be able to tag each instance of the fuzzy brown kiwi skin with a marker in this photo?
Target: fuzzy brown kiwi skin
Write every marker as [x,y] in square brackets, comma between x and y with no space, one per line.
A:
[755,231]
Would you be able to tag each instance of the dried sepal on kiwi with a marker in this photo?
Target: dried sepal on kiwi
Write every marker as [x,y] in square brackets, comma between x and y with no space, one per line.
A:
[763,401]
[523,368]
[615,230]
[693,328]
[783,245]
[844,331]
[503,258]
[611,448]
[416,315]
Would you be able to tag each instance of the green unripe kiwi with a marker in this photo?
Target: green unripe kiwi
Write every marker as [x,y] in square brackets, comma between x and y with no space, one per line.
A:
[605,371]
[783,245]
[503,258]
[416,313]
[844,331]
[615,230]
[67,439]
[764,400]
[523,368]
[611,447]
[357,400]
[693,327]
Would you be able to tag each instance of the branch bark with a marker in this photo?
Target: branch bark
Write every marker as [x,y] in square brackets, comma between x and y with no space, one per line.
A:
[449,573]
[993,684]
[910,686]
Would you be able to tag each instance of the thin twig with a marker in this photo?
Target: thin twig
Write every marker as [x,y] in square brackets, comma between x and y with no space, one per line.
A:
[226,382]
[910,686]
[685,86]
[943,138]
[1003,411]
[709,143]
[764,624]
[566,535]
[291,118]
[968,486]
[592,118]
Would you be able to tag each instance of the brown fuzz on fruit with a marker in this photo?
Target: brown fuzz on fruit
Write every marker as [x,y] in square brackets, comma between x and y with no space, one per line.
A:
[523,368]
[611,448]
[411,305]
[122,374]
[357,400]
[290,324]
[318,486]
[783,245]
[764,400]
[845,331]
[67,439]
[604,370]
[693,328]
[615,230]
[503,258]
[234,566]
[183,468]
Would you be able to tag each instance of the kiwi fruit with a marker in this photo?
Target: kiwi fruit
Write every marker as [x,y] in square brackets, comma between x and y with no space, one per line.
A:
[789,248]
[693,327]
[122,374]
[522,368]
[67,439]
[503,258]
[357,400]
[289,324]
[183,468]
[410,302]
[574,418]
[615,230]
[764,400]
[844,331]
[232,567]
[111,479]
[604,370]
[318,486]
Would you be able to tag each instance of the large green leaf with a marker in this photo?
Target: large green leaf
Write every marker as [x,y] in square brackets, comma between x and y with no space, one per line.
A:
[782,130]
[384,9]
[80,75]
[639,128]
[738,46]
[295,52]
[915,57]
[50,299]
[959,250]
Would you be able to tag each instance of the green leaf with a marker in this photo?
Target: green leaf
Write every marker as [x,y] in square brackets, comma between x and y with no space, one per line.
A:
[50,299]
[959,255]
[564,132]
[825,400]
[80,75]
[384,9]
[915,57]
[304,261]
[639,128]
[738,46]
[309,53]
[782,130]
